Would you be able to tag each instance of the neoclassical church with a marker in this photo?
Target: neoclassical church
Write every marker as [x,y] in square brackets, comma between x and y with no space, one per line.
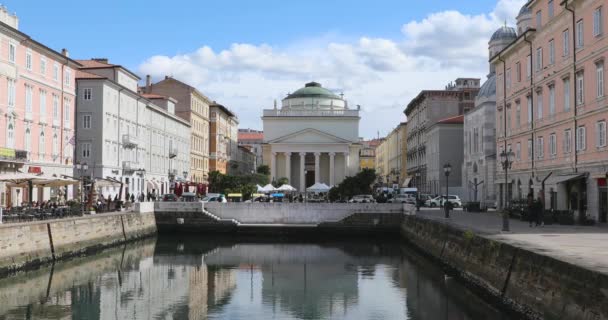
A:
[313,137]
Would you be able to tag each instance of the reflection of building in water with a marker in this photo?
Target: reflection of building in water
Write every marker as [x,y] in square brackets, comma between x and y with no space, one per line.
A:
[197,295]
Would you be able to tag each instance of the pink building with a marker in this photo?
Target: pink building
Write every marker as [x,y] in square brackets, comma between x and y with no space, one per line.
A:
[37,95]
[552,106]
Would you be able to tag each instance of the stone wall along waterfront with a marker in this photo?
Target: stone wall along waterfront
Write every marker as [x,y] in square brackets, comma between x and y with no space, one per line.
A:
[528,282]
[33,243]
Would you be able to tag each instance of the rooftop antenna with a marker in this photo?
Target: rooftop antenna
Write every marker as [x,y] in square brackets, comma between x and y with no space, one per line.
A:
[342,95]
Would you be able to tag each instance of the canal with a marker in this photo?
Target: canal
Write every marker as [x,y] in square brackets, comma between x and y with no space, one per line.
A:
[213,278]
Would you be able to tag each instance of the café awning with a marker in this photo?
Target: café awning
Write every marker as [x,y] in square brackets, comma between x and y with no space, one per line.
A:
[557,179]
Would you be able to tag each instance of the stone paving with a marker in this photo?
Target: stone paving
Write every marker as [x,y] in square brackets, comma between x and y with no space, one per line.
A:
[579,245]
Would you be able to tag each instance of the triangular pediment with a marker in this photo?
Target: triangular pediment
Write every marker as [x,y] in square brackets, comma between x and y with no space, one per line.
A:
[311,136]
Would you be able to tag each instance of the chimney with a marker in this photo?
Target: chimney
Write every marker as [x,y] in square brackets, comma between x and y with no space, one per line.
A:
[101,60]
[166,77]
[148,83]
[65,52]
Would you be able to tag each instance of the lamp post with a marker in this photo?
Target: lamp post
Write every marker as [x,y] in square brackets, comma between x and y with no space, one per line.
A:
[506,159]
[82,167]
[447,168]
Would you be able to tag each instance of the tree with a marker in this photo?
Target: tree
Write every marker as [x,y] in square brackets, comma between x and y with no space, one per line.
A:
[281,182]
[359,184]
[334,194]
[263,169]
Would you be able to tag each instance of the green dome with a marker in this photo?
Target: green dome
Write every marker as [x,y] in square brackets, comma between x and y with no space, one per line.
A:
[313,90]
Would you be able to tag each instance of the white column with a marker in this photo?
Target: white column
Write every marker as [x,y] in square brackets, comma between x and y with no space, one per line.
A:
[317,167]
[273,166]
[288,167]
[302,168]
[346,161]
[332,179]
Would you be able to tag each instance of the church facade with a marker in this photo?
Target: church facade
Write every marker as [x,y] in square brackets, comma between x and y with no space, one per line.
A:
[312,138]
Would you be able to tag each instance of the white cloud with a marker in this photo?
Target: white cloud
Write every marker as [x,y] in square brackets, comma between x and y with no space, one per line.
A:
[381,75]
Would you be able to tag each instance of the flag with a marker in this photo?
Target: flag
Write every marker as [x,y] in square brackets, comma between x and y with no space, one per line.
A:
[73,140]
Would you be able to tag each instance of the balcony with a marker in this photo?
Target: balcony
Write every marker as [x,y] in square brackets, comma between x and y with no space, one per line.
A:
[172,172]
[311,113]
[129,141]
[172,152]
[130,166]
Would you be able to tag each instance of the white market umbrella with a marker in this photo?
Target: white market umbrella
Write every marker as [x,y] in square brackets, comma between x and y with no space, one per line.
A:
[260,188]
[318,187]
[286,188]
[268,188]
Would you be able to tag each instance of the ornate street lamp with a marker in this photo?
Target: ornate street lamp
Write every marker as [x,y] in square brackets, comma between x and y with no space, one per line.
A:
[506,160]
[418,191]
[447,168]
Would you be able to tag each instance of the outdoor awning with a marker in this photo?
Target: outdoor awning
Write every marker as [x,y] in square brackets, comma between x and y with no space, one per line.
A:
[406,183]
[557,179]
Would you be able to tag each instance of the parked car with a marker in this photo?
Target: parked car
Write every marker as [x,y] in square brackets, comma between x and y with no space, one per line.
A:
[188,197]
[402,198]
[433,202]
[170,197]
[362,198]
[453,199]
[214,197]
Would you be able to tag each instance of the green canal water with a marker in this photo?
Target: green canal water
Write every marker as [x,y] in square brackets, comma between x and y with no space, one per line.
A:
[211,278]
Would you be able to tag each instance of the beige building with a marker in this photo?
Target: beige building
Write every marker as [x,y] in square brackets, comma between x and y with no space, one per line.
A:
[223,134]
[391,158]
[193,106]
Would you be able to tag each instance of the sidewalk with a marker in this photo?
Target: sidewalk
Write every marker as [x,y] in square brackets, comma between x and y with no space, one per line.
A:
[579,245]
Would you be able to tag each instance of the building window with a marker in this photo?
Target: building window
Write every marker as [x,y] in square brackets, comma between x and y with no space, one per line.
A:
[55,107]
[55,72]
[529,149]
[87,94]
[551,9]
[28,140]
[530,109]
[565,43]
[55,145]
[540,148]
[12,52]
[518,151]
[539,105]
[41,146]
[29,95]
[551,52]
[551,100]
[10,134]
[552,144]
[42,104]
[86,150]
[28,61]
[518,71]
[567,141]
[580,88]
[508,78]
[539,59]
[599,79]
[539,19]
[529,67]
[43,66]
[566,94]
[66,112]
[580,41]
[600,131]
[581,139]
[86,121]
[518,114]
[598,23]
[11,93]
[68,77]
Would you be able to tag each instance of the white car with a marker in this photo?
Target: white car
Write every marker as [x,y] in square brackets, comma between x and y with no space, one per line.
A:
[433,202]
[453,199]
[362,198]
[402,198]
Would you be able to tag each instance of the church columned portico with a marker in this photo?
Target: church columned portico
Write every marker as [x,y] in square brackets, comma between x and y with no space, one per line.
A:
[312,138]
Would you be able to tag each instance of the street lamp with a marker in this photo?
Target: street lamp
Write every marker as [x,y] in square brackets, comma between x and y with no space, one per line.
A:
[506,159]
[418,191]
[447,168]
[82,167]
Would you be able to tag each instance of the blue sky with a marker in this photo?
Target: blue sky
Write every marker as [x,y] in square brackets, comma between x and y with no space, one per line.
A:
[365,39]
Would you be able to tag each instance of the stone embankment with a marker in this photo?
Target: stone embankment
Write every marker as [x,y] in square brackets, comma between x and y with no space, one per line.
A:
[531,283]
[29,244]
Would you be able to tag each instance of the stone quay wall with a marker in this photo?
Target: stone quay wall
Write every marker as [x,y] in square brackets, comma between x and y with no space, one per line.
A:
[529,283]
[30,244]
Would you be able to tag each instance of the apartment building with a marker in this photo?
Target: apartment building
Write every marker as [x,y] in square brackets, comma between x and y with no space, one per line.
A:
[252,139]
[390,158]
[552,107]
[221,129]
[37,90]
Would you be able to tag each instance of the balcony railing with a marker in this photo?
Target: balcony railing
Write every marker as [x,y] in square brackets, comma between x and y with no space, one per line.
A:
[311,113]
[129,141]
[131,166]
[172,152]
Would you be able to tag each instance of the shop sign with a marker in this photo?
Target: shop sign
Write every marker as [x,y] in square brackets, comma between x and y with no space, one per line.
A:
[35,170]
[7,153]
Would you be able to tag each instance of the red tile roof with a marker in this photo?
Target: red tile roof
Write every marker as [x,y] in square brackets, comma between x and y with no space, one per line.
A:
[452,120]
[153,96]
[251,136]
[94,64]
[85,75]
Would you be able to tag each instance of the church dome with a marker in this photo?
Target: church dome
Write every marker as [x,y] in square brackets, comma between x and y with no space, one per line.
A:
[313,90]
[488,89]
[524,10]
[504,33]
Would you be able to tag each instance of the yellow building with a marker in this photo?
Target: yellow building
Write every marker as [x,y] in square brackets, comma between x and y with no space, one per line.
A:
[367,154]
[391,158]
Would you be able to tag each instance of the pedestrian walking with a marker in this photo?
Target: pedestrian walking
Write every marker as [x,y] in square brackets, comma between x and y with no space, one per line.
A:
[531,209]
[540,210]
